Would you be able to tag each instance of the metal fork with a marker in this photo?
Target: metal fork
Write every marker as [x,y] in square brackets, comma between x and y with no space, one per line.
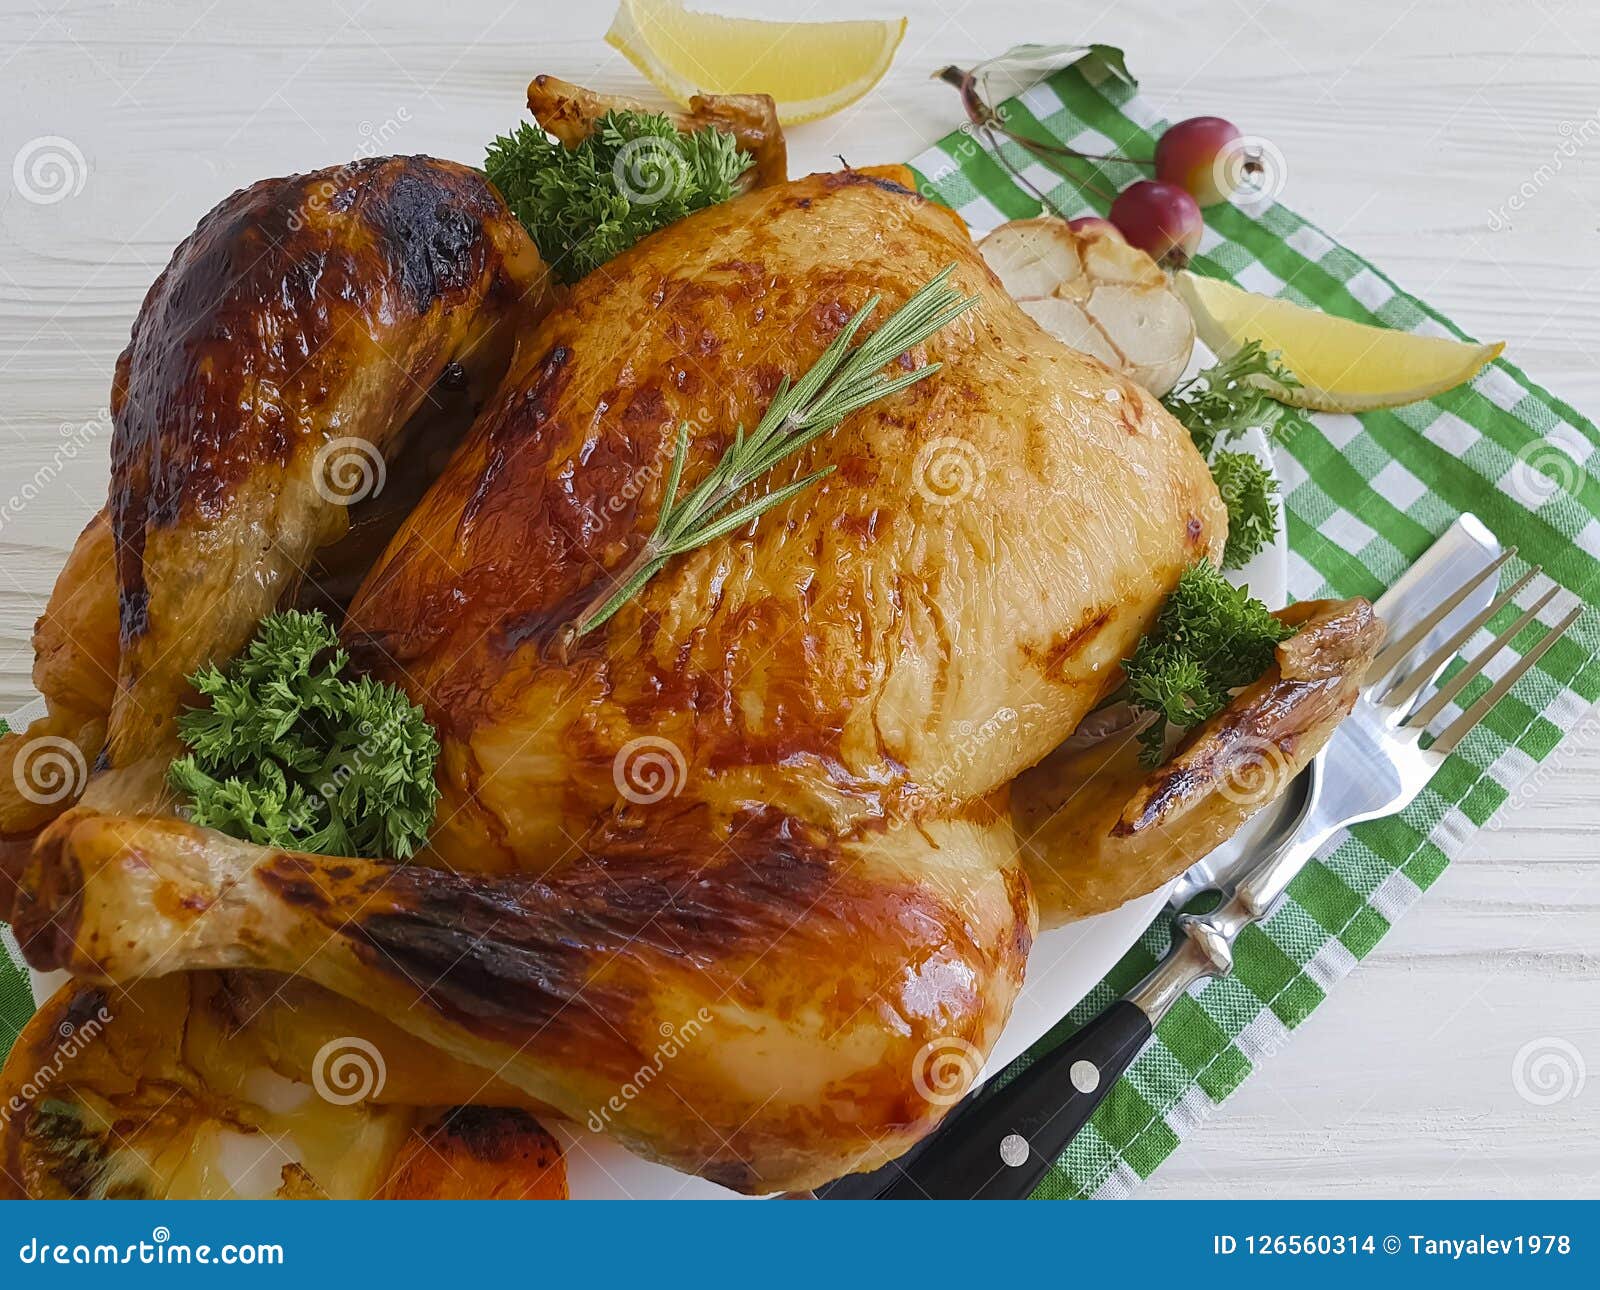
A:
[999,1146]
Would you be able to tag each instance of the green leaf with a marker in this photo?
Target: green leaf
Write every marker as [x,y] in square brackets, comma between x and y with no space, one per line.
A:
[634,174]
[1051,58]
[1225,400]
[1249,491]
[839,382]
[292,752]
[1209,639]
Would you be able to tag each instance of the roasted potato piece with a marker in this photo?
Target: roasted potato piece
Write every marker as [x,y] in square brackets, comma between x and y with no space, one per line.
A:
[478,1153]
[163,1090]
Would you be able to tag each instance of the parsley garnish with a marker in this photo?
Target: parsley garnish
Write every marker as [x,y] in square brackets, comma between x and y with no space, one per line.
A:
[1209,639]
[1249,492]
[1219,405]
[1226,399]
[636,173]
[292,753]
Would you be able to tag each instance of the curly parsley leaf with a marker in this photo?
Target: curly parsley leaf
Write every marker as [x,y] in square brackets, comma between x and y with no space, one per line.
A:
[634,174]
[1222,402]
[1209,639]
[1249,492]
[1217,406]
[293,753]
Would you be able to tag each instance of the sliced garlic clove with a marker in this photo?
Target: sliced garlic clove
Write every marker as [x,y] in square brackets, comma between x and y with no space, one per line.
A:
[1107,258]
[1032,257]
[1068,323]
[1152,328]
[1093,291]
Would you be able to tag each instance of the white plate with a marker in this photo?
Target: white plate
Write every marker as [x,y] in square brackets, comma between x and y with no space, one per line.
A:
[1065,965]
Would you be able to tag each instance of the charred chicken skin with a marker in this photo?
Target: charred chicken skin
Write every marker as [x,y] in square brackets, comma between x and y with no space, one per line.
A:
[270,378]
[774,790]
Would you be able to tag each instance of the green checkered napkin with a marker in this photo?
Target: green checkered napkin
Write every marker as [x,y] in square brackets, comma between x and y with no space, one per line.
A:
[1364,496]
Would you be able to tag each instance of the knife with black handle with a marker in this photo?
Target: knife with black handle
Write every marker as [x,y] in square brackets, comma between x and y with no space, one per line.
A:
[999,1145]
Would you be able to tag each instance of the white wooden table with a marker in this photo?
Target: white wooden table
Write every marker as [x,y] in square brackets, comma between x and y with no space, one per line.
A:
[1406,127]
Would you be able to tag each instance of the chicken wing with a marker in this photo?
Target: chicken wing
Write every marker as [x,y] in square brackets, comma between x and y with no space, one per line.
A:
[1097,828]
[569,112]
[270,374]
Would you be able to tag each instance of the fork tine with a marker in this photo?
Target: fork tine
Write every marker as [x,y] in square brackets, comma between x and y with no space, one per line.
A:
[1448,691]
[1386,661]
[1405,689]
[1458,728]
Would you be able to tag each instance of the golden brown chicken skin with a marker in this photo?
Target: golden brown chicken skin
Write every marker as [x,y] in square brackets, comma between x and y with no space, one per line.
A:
[270,382]
[819,859]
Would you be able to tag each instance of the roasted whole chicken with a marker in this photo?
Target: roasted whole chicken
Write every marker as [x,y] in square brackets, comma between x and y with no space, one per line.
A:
[772,793]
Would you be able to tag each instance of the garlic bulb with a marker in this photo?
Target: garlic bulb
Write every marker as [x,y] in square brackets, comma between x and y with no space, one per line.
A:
[1089,289]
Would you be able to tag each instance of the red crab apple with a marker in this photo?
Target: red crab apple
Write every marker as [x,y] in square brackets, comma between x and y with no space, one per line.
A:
[1187,154]
[1160,219]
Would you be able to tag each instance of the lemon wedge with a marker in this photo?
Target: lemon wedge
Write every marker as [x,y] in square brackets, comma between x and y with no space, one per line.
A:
[1343,366]
[810,68]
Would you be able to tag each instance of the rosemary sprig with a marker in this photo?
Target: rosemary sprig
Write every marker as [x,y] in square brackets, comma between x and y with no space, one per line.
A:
[843,380]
